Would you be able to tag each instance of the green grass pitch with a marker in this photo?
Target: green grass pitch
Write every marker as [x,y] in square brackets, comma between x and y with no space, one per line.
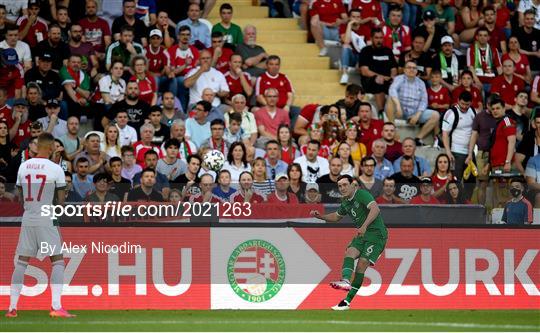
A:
[285,320]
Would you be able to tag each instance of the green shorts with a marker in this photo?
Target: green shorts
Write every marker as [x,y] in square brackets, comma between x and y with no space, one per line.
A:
[369,249]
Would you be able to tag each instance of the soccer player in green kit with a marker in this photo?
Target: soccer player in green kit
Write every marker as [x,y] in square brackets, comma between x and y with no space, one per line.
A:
[369,242]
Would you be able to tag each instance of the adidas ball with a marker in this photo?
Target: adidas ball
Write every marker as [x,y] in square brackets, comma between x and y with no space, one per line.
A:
[214,160]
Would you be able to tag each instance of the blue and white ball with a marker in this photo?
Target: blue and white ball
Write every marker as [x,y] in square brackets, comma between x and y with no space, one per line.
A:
[214,160]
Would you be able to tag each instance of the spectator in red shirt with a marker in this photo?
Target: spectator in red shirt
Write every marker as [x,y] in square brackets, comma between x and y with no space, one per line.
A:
[523,68]
[145,144]
[503,139]
[246,193]
[146,82]
[467,85]
[272,78]
[6,113]
[388,196]
[397,36]
[32,28]
[441,175]
[393,146]
[326,17]
[239,82]
[438,95]
[497,38]
[370,129]
[159,62]
[10,73]
[483,60]
[425,197]
[220,55]
[269,118]
[354,35]
[96,30]
[507,85]
[206,194]
[21,129]
[281,195]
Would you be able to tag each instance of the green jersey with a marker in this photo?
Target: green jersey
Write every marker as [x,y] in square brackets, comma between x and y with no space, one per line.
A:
[357,209]
[233,35]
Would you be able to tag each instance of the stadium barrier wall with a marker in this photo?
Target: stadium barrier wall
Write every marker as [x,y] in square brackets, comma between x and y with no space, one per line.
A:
[244,266]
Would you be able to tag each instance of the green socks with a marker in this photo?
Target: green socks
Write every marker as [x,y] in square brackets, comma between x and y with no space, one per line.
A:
[355,285]
[347,268]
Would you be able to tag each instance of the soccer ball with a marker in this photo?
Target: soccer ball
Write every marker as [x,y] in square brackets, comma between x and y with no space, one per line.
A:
[214,160]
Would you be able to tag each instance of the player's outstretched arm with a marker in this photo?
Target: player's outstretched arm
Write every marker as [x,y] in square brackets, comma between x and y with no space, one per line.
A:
[331,217]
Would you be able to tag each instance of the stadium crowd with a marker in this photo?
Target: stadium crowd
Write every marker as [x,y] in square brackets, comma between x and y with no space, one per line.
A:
[137,92]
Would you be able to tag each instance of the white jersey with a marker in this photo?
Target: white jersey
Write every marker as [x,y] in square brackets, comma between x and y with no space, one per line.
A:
[38,178]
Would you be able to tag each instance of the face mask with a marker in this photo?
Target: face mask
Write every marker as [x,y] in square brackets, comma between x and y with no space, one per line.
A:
[515,192]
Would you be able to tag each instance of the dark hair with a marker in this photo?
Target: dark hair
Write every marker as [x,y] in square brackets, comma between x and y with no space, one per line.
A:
[225,6]
[436,168]
[273,57]
[271,142]
[91,135]
[236,117]
[364,104]
[353,89]
[222,171]
[68,174]
[126,149]
[150,152]
[394,8]
[289,143]
[82,160]
[184,28]
[389,123]
[350,160]
[460,198]
[480,30]
[216,34]
[126,27]
[355,10]
[171,142]
[436,72]
[465,96]
[488,8]
[314,142]
[230,158]
[114,159]
[11,27]
[466,72]
[54,25]
[530,12]
[217,122]
[155,108]
[206,105]
[59,8]
[192,156]
[348,177]
[495,100]
[100,176]
[375,31]
[148,170]
[295,165]
[367,158]
[406,158]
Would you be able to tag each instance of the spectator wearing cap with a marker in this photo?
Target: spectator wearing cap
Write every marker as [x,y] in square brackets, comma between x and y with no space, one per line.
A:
[397,35]
[483,60]
[85,49]
[55,46]
[378,68]
[47,79]
[51,123]
[409,101]
[95,29]
[232,33]
[205,76]
[198,127]
[101,193]
[159,63]
[431,31]
[20,131]
[32,28]
[128,19]
[200,33]
[405,180]
[12,42]
[76,86]
[281,194]
[147,84]
[124,48]
[168,34]
[184,57]
[254,56]
[221,55]
[445,16]
[312,195]
[448,63]
[425,197]
[10,73]
[326,17]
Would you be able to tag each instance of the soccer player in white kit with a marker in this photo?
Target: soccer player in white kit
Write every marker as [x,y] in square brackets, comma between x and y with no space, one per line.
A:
[38,180]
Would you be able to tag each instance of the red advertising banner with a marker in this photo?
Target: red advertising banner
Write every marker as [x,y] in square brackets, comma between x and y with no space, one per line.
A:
[174,268]
[154,268]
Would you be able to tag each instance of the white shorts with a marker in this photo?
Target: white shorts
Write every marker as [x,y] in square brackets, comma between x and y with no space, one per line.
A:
[37,241]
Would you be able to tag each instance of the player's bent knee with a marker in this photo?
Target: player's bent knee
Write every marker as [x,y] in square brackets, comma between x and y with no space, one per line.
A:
[362,265]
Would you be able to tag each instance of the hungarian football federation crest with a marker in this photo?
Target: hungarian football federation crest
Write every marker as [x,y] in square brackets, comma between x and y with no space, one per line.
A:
[256,270]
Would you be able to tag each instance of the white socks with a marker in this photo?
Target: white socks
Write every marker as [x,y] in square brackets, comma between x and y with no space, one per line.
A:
[57,283]
[17,280]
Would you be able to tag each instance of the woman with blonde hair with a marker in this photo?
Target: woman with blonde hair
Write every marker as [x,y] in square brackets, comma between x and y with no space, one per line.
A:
[111,144]
[261,183]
